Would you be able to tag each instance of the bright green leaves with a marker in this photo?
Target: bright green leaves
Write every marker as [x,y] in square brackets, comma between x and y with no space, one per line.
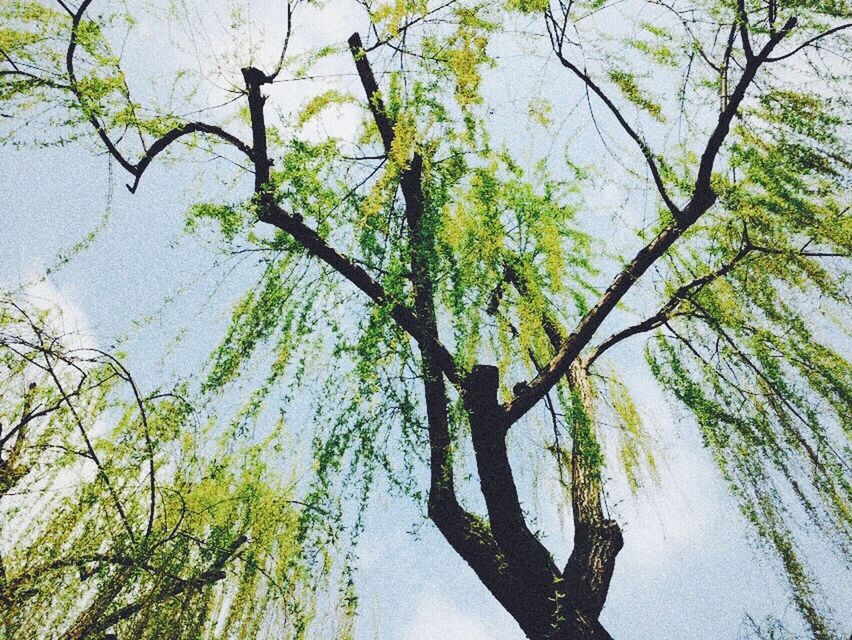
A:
[229,218]
[138,520]
[498,220]
[454,59]
[741,376]
[800,113]
[528,6]
[28,35]
[754,357]
[585,443]
[630,89]
[660,45]
[540,111]
[34,42]
[301,181]
[460,53]
[321,102]
[261,313]
[635,448]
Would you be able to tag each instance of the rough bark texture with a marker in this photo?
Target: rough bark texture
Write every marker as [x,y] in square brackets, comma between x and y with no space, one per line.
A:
[506,556]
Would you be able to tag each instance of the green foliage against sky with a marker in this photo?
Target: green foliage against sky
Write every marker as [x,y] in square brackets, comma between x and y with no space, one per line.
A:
[147,522]
[742,315]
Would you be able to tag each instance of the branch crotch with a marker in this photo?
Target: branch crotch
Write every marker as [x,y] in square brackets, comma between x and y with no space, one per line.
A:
[597,539]
[525,554]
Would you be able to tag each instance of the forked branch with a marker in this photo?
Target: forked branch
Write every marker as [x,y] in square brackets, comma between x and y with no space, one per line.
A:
[703,197]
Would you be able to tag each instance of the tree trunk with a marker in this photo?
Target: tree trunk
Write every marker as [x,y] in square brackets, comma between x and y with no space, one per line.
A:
[547,603]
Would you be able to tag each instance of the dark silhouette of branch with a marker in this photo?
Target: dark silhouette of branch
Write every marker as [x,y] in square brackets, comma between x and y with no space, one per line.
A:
[371,88]
[665,312]
[557,40]
[702,199]
[291,5]
[458,527]
[809,42]
[136,170]
[180,131]
[313,243]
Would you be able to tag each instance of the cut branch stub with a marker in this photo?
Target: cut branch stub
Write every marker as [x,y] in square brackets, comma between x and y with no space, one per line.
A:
[255,79]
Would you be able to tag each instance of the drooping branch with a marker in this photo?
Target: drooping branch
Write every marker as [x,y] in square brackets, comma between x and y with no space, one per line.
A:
[557,37]
[313,243]
[213,574]
[180,131]
[703,197]
[158,146]
[76,19]
[92,454]
[670,307]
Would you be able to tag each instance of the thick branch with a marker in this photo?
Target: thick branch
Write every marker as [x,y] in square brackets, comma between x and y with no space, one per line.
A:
[371,88]
[702,190]
[665,312]
[178,132]
[524,552]
[702,199]
[597,539]
[314,244]
[511,539]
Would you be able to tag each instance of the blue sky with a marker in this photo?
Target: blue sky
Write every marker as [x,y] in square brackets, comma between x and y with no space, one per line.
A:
[687,569]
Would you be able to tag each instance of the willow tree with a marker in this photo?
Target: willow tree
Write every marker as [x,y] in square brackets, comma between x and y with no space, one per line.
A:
[116,521]
[456,292]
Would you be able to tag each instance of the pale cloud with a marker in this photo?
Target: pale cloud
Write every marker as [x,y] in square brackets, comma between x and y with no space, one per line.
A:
[436,618]
[70,320]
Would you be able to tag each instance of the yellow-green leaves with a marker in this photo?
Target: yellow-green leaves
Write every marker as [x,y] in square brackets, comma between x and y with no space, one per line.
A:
[540,111]
[318,104]
[390,16]
[630,89]
[528,6]
[231,219]
[465,52]
[635,449]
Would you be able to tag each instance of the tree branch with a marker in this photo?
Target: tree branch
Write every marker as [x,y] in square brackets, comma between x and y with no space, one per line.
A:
[180,131]
[808,43]
[665,312]
[136,170]
[647,153]
[702,199]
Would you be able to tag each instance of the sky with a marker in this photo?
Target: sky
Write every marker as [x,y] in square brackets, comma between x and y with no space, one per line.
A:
[688,569]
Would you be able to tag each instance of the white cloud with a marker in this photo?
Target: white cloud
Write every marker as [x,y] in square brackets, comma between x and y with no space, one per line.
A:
[438,619]
[71,320]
